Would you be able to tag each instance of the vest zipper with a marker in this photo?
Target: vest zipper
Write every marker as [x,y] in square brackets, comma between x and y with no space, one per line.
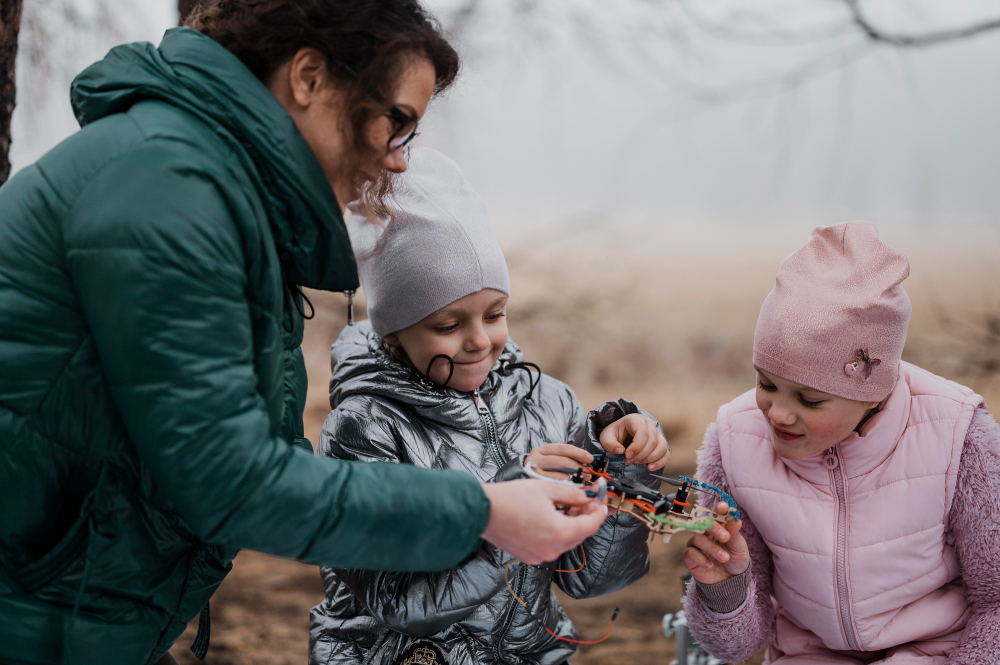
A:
[491,430]
[843,587]
[510,610]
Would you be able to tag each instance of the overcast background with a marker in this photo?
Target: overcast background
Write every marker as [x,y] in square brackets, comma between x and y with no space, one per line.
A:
[716,115]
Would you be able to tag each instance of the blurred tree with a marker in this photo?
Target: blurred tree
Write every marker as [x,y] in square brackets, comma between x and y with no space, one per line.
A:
[821,36]
[10,25]
[49,36]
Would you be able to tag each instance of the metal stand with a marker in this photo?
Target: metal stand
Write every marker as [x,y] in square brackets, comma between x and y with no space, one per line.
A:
[688,651]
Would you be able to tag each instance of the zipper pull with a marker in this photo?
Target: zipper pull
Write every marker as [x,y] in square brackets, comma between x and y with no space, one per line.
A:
[480,404]
[350,306]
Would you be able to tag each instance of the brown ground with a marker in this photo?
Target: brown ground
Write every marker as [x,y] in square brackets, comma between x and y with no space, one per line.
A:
[672,330]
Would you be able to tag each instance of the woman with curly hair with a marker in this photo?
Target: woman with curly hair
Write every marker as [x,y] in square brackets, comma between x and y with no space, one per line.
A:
[151,313]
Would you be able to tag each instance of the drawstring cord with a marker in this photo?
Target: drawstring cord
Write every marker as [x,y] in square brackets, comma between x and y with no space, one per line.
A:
[350,306]
[426,380]
[505,367]
[200,645]
[294,293]
[533,380]
[68,642]
[85,578]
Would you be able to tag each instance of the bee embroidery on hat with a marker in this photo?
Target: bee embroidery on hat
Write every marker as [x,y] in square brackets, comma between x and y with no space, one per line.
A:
[862,357]
[422,653]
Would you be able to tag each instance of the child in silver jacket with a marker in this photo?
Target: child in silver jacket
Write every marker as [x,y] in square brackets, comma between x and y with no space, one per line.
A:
[433,380]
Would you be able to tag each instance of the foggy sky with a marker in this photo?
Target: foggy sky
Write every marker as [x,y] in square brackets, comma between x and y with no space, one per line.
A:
[548,125]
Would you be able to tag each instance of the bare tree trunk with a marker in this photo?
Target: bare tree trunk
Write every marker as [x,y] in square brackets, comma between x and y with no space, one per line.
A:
[10,24]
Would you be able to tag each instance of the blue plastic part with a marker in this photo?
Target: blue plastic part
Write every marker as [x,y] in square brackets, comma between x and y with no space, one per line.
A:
[734,510]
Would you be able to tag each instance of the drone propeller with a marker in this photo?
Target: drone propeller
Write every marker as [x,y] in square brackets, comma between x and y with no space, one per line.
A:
[629,486]
[670,481]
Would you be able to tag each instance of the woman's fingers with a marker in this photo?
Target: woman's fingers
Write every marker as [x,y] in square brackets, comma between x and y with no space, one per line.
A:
[526,519]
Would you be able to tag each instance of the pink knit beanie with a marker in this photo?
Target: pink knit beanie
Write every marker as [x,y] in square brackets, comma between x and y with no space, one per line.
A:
[837,315]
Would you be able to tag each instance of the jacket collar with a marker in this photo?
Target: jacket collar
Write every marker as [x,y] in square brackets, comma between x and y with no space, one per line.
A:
[361,365]
[194,73]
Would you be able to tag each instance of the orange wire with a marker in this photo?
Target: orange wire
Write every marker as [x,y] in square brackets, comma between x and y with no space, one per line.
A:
[566,639]
[583,556]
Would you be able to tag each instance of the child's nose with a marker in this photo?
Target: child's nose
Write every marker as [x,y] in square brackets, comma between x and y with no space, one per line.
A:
[780,415]
[477,340]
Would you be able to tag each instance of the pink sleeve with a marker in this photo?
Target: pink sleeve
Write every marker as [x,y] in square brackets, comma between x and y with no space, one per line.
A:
[738,635]
[974,529]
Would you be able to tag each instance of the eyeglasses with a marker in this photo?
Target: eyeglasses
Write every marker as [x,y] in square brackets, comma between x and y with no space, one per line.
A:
[406,128]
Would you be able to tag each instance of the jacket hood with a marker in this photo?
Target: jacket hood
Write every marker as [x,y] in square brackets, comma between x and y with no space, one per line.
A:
[361,366]
[194,73]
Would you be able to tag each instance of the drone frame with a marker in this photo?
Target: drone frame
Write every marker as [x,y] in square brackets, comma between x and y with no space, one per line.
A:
[663,515]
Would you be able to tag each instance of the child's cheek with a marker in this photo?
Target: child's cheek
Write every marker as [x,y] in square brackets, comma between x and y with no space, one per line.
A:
[827,428]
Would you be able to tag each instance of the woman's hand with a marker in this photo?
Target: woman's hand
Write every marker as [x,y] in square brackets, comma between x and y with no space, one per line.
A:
[558,454]
[637,437]
[719,553]
[527,519]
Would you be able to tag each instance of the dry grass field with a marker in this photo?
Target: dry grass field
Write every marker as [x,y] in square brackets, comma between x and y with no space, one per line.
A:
[667,322]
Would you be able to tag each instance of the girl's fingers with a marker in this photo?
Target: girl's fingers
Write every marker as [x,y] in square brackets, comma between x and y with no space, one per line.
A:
[579,455]
[695,558]
[638,449]
[661,452]
[614,437]
[720,533]
[711,548]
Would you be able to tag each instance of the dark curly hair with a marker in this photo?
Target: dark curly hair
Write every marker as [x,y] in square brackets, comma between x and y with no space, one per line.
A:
[366,43]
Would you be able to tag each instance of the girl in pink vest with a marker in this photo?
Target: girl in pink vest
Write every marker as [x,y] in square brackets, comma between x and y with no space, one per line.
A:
[870,488]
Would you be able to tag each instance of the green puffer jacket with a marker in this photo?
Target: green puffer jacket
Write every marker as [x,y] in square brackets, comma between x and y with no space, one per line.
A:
[150,395]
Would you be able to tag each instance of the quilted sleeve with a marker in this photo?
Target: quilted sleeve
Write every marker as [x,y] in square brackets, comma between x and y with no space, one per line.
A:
[159,270]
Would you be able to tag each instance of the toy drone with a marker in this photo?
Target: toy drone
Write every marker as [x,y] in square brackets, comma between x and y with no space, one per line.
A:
[663,515]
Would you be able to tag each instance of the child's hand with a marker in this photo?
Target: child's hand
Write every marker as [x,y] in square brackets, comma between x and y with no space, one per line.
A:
[636,436]
[558,454]
[719,553]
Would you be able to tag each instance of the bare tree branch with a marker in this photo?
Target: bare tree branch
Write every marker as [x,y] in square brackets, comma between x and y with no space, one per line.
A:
[916,41]
[768,36]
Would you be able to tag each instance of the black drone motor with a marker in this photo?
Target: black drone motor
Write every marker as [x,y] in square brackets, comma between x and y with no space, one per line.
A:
[680,497]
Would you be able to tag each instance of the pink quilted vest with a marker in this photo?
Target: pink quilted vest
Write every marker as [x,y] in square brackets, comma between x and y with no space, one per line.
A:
[857,533]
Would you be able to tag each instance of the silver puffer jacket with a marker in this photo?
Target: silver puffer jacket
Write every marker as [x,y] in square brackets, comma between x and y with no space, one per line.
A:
[382,413]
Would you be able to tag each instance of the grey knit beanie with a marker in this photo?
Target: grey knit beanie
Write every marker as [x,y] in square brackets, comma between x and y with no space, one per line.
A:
[439,249]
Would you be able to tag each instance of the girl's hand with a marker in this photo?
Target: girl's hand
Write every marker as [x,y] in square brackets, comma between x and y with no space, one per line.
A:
[637,437]
[558,454]
[719,553]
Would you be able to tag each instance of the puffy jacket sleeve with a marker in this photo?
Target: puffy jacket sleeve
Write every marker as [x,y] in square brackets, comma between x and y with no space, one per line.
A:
[618,554]
[415,604]
[159,269]
[974,529]
[737,635]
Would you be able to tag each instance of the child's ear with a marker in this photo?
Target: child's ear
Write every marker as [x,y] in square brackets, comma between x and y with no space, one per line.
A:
[392,340]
